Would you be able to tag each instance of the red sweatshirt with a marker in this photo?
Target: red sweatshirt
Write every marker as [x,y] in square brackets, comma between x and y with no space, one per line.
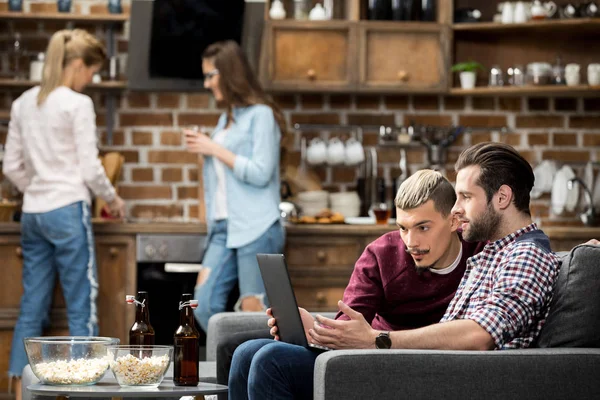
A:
[387,290]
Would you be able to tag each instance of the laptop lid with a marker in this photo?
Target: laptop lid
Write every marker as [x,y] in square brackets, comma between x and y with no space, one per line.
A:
[278,286]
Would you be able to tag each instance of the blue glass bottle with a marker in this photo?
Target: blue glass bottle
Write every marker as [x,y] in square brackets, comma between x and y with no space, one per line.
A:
[114,7]
[15,5]
[64,5]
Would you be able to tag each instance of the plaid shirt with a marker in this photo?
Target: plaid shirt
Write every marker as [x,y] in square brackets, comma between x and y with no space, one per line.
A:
[507,290]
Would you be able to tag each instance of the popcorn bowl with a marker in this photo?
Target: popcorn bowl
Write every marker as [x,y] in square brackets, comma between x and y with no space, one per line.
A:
[69,360]
[140,366]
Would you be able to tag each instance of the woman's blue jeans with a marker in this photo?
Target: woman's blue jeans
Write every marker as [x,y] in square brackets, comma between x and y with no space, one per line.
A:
[268,369]
[56,242]
[228,266]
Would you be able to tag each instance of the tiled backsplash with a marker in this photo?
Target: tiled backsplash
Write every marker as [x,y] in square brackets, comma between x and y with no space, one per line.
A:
[160,178]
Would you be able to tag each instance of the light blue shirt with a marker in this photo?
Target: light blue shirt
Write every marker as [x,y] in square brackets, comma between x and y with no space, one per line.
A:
[253,184]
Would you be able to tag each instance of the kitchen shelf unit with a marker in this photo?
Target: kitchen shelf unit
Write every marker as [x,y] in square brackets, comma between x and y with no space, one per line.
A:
[575,24]
[9,84]
[111,22]
[66,17]
[508,45]
[529,90]
[346,54]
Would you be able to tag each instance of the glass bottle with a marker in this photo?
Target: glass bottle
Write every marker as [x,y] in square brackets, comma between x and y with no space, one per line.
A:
[141,332]
[187,345]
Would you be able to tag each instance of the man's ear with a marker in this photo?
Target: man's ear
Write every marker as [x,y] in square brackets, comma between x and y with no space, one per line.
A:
[454,222]
[503,197]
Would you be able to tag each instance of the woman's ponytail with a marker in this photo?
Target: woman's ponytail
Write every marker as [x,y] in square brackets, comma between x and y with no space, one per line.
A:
[52,74]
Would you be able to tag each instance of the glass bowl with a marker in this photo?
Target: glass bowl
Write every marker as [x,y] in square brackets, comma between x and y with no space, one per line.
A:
[140,366]
[69,360]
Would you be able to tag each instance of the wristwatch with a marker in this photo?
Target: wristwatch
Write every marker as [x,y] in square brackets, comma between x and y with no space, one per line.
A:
[383,341]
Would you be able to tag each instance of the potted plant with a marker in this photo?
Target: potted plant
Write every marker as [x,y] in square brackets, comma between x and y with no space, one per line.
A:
[468,73]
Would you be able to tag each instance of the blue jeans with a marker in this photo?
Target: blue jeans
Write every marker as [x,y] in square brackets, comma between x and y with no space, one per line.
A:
[268,369]
[228,266]
[58,241]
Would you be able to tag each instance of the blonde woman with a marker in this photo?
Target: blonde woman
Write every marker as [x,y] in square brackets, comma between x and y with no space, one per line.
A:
[52,157]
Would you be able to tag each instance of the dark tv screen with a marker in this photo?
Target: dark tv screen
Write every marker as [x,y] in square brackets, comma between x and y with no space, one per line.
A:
[182,29]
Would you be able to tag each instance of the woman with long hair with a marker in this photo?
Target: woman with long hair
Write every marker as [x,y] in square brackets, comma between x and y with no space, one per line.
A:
[52,158]
[241,183]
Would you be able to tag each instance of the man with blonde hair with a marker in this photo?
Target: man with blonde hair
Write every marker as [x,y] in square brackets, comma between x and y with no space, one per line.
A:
[403,280]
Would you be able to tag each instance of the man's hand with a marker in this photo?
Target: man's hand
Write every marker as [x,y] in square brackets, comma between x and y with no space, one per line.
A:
[341,334]
[307,321]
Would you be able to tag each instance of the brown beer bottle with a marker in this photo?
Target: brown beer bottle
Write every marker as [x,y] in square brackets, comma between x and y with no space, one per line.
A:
[186,342]
[141,332]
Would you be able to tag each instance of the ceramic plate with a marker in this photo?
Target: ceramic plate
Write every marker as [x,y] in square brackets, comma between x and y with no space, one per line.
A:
[596,193]
[588,179]
[561,195]
[572,195]
[365,221]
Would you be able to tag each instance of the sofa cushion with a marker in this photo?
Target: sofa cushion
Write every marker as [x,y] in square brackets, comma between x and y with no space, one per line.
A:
[574,317]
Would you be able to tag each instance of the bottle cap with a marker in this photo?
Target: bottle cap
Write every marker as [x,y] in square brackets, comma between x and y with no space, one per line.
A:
[131,300]
[192,303]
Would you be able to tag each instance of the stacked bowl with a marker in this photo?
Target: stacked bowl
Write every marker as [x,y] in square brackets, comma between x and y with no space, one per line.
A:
[313,202]
[345,203]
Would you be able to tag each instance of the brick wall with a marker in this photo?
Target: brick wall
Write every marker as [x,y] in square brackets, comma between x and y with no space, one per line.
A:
[160,178]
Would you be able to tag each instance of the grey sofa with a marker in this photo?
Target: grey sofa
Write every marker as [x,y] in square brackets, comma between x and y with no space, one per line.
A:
[564,365]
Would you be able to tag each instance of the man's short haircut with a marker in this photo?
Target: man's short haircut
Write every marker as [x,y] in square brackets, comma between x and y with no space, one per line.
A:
[423,186]
[500,164]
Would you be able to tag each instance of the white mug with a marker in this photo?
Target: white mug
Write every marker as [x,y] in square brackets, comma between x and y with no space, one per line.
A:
[335,151]
[593,74]
[317,152]
[508,13]
[572,74]
[520,13]
[354,152]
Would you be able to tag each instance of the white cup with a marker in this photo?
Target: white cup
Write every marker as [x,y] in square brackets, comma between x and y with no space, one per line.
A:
[336,152]
[317,152]
[593,74]
[508,13]
[354,152]
[572,74]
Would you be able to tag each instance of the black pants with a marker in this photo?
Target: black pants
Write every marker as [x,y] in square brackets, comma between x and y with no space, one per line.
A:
[226,347]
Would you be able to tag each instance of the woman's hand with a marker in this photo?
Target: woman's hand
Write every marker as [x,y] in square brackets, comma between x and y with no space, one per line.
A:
[200,143]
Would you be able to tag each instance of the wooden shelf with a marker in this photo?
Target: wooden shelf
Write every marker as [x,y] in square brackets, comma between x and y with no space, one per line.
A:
[4,116]
[572,25]
[67,17]
[24,84]
[529,90]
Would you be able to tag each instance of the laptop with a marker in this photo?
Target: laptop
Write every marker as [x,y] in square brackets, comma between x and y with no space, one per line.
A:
[273,269]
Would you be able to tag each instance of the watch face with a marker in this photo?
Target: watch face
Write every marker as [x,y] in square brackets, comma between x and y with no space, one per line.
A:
[383,341]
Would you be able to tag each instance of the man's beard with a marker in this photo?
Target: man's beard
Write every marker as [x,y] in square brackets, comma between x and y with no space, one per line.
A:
[485,227]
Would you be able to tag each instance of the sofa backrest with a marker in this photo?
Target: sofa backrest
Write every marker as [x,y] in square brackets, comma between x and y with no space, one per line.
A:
[574,317]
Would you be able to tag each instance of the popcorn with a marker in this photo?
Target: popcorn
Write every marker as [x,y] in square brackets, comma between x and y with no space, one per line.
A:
[132,371]
[81,371]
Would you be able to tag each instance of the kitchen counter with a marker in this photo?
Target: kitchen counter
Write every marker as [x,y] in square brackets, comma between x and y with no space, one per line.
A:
[105,227]
[558,233]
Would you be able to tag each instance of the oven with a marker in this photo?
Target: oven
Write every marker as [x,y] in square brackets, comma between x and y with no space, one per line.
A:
[167,266]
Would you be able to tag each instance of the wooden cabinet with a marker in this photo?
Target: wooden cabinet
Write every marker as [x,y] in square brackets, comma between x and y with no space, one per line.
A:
[115,257]
[355,56]
[400,57]
[309,56]
[320,265]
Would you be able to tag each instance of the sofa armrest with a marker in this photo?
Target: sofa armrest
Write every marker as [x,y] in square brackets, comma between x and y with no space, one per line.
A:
[225,324]
[428,374]
[228,323]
